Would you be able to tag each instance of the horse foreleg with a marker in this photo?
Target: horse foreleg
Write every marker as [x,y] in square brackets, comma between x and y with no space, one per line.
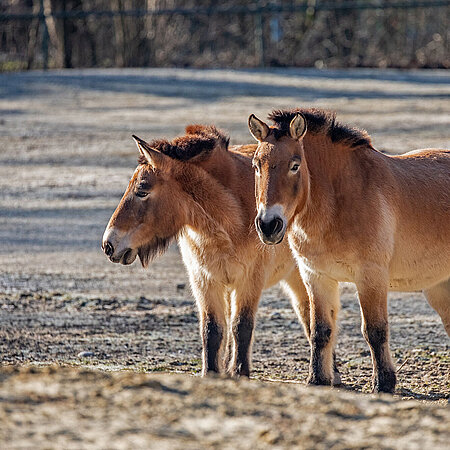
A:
[212,313]
[372,291]
[245,304]
[293,285]
[324,308]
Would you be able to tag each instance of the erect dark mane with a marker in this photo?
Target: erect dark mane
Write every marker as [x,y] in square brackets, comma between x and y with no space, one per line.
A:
[209,130]
[199,140]
[320,121]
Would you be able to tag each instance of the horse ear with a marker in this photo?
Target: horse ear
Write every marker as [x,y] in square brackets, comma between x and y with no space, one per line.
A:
[297,127]
[258,128]
[153,157]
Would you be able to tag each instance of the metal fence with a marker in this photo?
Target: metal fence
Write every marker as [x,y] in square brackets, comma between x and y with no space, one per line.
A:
[338,33]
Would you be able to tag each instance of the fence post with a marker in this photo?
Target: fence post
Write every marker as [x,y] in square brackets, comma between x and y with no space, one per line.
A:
[259,39]
[44,35]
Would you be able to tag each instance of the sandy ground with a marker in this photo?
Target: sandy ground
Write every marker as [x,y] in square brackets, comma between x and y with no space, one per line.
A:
[72,409]
[66,155]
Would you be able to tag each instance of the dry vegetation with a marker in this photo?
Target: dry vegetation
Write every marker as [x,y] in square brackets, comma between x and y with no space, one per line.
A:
[405,37]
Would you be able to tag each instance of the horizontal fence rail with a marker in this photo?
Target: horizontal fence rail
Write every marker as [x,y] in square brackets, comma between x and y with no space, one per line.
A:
[217,10]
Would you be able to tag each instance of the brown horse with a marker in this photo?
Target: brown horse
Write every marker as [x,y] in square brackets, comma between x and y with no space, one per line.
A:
[199,191]
[353,214]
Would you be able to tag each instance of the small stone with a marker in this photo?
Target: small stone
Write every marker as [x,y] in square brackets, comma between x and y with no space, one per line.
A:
[85,354]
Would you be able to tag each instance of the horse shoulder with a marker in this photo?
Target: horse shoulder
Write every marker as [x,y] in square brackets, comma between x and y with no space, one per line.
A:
[355,221]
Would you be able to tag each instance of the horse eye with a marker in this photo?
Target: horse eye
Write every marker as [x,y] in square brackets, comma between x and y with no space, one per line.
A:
[295,167]
[141,194]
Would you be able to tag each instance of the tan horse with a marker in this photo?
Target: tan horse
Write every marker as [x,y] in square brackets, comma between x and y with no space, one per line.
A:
[200,192]
[353,214]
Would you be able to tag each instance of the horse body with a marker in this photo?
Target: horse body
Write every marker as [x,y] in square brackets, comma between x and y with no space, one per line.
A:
[354,214]
[201,193]
[375,218]
[421,257]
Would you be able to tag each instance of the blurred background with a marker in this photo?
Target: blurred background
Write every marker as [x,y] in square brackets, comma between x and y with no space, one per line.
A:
[38,34]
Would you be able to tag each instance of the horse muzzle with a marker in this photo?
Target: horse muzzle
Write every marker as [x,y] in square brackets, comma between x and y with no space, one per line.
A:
[115,250]
[271,228]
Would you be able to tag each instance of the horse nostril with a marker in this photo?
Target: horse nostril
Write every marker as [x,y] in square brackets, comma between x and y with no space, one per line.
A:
[274,226]
[271,228]
[108,249]
[277,226]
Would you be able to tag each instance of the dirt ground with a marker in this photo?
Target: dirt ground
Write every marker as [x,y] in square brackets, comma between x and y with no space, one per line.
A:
[72,409]
[66,155]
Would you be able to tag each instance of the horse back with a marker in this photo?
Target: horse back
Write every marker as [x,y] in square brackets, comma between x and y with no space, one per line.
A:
[422,179]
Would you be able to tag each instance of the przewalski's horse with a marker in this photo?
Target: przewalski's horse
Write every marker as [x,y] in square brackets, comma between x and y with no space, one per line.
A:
[353,214]
[198,191]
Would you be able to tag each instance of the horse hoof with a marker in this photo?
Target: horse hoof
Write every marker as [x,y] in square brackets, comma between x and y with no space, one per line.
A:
[317,381]
[337,381]
[383,389]
[385,382]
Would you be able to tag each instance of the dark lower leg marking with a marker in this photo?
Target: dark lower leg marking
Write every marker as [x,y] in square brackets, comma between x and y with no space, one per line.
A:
[243,332]
[384,375]
[336,375]
[212,340]
[320,338]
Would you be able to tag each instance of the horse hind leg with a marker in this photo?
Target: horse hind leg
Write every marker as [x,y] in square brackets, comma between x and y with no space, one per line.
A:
[439,299]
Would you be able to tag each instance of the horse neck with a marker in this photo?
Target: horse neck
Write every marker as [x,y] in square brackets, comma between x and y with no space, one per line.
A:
[326,162]
[214,210]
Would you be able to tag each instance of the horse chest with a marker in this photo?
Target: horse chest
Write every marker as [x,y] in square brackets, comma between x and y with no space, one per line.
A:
[202,258]
[317,257]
